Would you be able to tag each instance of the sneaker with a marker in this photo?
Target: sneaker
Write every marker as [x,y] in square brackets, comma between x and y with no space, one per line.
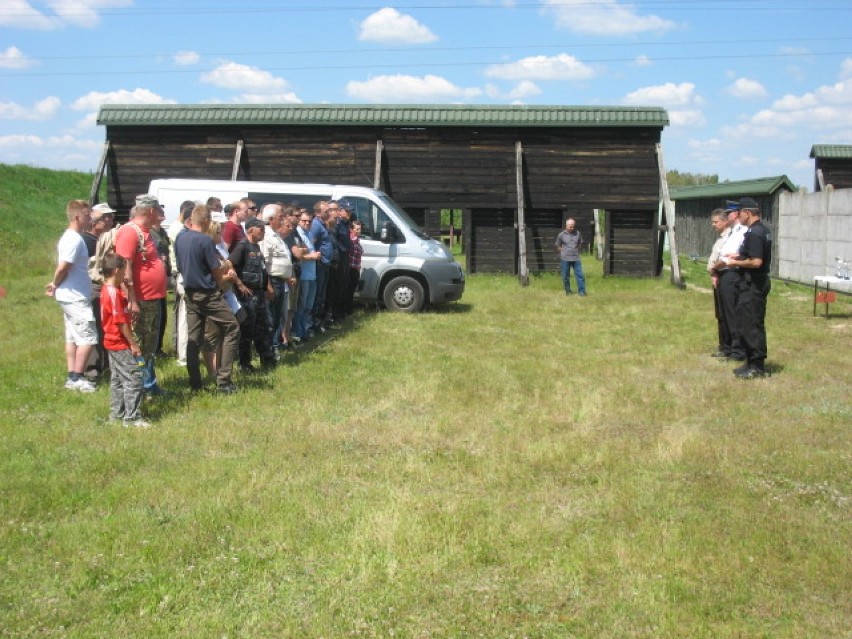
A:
[71,384]
[85,386]
[296,340]
[247,368]
[136,423]
[582,293]
[720,355]
[227,389]
[741,369]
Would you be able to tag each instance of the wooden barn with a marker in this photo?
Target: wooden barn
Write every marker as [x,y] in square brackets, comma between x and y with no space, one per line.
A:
[693,205]
[832,166]
[514,171]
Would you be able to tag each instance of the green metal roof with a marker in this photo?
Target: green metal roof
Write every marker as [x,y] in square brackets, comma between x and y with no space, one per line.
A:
[381,115]
[758,186]
[832,151]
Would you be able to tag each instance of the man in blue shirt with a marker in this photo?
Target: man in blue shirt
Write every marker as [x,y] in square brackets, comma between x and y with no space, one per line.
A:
[202,271]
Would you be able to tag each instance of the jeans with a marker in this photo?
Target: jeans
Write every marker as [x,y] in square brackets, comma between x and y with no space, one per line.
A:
[302,320]
[278,310]
[578,274]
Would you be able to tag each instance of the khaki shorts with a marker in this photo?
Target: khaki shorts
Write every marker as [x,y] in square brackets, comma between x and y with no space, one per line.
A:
[80,326]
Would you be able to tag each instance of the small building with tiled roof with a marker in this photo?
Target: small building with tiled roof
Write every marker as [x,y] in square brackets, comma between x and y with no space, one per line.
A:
[832,165]
[568,160]
[693,205]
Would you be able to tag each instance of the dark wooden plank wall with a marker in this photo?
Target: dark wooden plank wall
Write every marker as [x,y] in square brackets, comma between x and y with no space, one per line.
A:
[490,240]
[631,243]
[567,172]
[835,172]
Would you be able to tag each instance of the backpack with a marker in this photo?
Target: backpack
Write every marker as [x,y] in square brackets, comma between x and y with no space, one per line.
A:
[105,246]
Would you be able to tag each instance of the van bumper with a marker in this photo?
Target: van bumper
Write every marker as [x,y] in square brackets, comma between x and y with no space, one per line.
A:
[446,282]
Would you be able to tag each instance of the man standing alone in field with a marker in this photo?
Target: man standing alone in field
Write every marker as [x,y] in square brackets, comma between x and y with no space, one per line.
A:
[568,243]
[72,288]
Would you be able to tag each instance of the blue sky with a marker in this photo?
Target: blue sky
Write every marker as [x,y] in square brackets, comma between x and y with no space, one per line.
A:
[750,85]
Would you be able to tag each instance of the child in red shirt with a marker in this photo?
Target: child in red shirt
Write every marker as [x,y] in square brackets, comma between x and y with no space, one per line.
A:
[125,385]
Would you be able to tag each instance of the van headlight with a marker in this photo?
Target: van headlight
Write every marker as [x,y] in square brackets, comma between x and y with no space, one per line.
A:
[435,249]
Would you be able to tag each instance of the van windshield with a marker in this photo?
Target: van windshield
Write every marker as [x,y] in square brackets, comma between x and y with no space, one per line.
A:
[396,208]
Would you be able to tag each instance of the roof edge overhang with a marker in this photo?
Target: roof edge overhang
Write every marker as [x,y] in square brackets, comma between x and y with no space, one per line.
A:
[388,115]
[755,187]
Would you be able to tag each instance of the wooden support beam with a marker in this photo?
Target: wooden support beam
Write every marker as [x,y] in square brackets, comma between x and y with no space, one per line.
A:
[668,212]
[238,158]
[377,173]
[820,179]
[99,175]
[598,235]
[523,273]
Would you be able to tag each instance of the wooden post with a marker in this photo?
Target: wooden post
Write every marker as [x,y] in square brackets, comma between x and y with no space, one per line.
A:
[377,174]
[820,179]
[238,157]
[523,273]
[99,175]
[668,212]
[598,234]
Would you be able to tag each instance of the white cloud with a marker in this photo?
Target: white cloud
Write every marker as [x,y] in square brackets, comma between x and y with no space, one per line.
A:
[241,77]
[846,68]
[407,88]
[21,14]
[540,67]
[42,110]
[603,17]
[57,152]
[824,112]
[94,99]
[747,89]
[390,26]
[643,61]
[669,94]
[13,58]
[186,58]
[84,13]
[260,98]
[519,92]
[680,100]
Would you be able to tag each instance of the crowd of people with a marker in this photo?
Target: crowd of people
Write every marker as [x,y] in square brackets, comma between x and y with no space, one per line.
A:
[247,289]
[739,269]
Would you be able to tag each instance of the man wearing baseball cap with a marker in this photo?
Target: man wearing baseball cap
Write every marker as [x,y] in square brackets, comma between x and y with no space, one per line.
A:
[753,285]
[146,282]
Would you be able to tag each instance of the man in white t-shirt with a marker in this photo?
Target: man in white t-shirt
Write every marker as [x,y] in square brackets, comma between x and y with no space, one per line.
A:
[72,288]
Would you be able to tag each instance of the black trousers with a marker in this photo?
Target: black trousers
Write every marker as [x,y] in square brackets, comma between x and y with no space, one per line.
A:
[729,334]
[255,329]
[752,291]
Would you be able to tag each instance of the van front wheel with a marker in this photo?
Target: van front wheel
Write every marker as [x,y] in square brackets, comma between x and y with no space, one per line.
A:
[404,294]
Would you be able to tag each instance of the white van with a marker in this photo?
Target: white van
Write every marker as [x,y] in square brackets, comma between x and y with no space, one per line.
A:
[402,266]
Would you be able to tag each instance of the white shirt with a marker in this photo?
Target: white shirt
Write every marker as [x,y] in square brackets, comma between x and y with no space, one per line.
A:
[277,255]
[76,286]
[733,242]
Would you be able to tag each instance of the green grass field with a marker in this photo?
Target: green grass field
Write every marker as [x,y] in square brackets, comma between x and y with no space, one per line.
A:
[519,464]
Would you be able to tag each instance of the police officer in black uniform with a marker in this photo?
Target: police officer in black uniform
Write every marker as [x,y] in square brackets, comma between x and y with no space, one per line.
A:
[753,285]
[254,291]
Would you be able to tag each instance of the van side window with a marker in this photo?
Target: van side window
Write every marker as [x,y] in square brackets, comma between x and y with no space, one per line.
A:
[371,216]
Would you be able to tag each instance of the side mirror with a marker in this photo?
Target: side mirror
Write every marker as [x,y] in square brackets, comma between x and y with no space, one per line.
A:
[390,233]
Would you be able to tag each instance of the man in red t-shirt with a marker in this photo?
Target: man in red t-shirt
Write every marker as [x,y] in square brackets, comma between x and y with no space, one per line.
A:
[146,282]
[232,230]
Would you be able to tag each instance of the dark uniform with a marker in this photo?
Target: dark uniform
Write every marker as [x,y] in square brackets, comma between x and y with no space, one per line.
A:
[753,285]
[250,266]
